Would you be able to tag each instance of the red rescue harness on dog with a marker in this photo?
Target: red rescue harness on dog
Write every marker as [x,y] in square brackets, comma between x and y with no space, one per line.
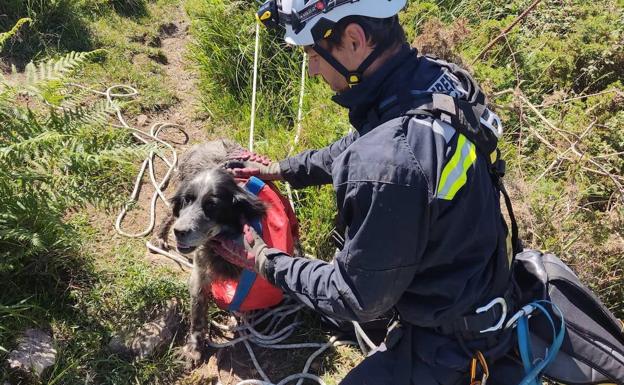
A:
[279,229]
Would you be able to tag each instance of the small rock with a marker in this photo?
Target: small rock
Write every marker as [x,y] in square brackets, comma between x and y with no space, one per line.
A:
[34,353]
[156,334]
[141,120]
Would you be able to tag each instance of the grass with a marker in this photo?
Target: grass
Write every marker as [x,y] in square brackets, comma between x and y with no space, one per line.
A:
[224,54]
[83,283]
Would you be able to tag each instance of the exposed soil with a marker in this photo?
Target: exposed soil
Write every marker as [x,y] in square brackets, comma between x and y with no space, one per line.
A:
[182,79]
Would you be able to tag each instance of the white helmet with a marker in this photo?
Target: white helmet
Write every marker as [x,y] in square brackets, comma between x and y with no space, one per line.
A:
[308,21]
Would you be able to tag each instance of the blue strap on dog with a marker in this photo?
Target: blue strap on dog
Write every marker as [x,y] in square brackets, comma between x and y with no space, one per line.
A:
[248,277]
[255,185]
[533,368]
[245,283]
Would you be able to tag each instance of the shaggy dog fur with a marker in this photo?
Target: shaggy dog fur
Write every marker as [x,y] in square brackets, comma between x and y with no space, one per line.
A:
[207,203]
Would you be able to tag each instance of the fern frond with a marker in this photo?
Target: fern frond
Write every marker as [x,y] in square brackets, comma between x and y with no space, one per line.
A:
[5,36]
[38,75]
[32,146]
[97,113]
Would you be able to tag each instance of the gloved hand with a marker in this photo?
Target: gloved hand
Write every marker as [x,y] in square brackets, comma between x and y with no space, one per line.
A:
[247,251]
[245,164]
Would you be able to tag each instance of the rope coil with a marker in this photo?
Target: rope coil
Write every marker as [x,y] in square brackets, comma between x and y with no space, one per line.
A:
[271,337]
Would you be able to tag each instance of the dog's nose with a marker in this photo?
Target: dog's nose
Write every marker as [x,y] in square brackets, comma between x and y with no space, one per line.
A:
[181,233]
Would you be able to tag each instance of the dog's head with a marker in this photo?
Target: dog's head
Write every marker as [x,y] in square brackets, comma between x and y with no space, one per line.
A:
[211,204]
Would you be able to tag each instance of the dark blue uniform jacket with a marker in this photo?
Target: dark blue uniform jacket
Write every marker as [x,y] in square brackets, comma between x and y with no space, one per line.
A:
[424,232]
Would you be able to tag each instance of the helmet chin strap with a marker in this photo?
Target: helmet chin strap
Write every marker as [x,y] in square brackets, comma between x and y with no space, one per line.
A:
[352,77]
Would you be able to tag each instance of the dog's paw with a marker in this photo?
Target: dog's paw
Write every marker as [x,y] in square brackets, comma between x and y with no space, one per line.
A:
[160,243]
[192,353]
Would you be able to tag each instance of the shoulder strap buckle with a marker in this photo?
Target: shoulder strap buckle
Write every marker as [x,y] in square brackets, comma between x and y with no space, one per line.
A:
[445,103]
[445,106]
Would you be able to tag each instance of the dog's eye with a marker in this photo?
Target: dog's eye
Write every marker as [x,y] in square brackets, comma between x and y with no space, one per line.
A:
[188,199]
[208,206]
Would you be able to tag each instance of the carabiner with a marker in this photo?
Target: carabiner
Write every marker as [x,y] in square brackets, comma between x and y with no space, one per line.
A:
[499,324]
[525,311]
[479,359]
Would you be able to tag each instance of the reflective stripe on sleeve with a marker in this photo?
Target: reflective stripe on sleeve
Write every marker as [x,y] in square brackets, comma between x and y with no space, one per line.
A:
[454,175]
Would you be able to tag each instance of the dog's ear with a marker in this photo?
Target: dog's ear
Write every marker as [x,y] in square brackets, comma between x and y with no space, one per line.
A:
[250,206]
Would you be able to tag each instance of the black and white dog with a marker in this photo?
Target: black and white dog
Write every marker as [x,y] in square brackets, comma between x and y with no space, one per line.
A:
[208,202]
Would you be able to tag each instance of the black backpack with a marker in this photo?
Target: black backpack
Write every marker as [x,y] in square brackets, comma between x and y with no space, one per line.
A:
[593,348]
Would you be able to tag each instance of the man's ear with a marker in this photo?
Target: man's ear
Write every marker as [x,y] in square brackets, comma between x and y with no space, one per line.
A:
[355,37]
[248,205]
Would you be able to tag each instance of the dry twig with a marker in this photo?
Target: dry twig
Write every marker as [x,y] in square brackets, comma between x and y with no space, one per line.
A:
[577,98]
[506,30]
[580,156]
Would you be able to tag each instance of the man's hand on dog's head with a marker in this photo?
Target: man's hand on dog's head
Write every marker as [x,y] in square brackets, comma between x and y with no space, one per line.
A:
[245,164]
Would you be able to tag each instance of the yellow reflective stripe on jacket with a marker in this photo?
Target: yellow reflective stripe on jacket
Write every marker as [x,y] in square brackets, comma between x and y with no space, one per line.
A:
[454,175]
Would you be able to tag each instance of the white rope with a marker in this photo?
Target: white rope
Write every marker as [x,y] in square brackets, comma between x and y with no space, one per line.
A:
[299,123]
[270,338]
[183,262]
[300,108]
[365,343]
[125,91]
[254,88]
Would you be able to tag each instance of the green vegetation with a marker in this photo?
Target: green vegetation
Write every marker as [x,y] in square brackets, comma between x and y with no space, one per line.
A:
[61,167]
[64,171]
[565,168]
[54,160]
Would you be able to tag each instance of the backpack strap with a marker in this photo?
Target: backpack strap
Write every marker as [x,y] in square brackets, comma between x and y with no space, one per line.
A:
[461,115]
[466,116]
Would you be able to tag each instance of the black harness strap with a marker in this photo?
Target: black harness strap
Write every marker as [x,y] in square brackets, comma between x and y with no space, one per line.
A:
[352,77]
[460,114]
[464,116]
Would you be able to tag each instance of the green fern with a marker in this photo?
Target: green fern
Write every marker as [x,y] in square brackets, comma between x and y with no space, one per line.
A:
[56,154]
[40,75]
[97,113]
